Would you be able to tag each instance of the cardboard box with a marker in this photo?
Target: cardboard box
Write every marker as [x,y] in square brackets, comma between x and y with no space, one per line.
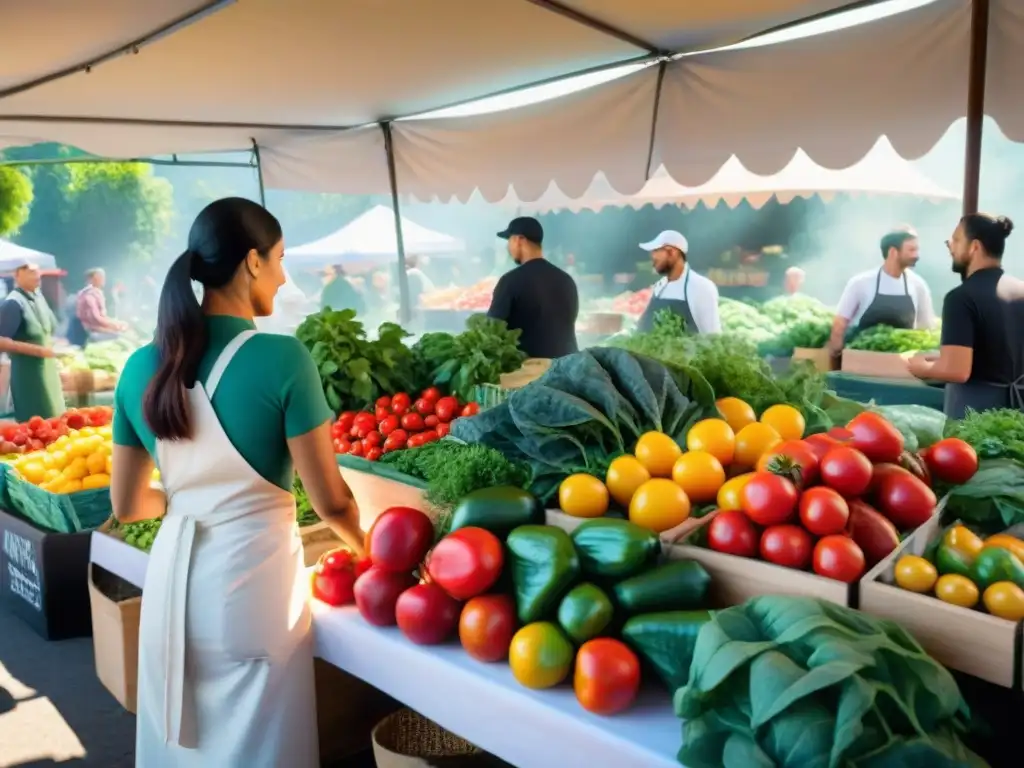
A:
[885,365]
[373,494]
[116,609]
[970,641]
[822,358]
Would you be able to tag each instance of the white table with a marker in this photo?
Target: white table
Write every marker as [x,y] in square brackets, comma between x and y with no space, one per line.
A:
[484,704]
[121,559]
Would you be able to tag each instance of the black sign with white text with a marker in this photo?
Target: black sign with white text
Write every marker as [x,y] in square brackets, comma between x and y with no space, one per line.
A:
[24,579]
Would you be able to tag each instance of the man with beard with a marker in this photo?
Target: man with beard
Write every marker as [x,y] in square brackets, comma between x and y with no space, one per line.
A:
[892,295]
[536,297]
[981,358]
[680,290]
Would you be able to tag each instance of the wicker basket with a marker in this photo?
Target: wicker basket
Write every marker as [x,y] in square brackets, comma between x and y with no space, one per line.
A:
[406,739]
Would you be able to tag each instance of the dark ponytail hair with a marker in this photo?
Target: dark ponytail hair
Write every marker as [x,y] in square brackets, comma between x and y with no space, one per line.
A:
[220,238]
[990,231]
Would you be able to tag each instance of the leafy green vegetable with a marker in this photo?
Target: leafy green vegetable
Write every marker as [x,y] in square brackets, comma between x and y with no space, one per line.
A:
[790,311]
[794,682]
[304,513]
[991,500]
[885,338]
[994,434]
[920,425]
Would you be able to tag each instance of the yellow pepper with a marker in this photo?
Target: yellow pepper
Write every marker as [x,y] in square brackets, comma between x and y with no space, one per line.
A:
[964,539]
[1008,542]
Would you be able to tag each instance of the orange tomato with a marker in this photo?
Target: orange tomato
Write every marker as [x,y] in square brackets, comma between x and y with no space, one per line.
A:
[607,676]
[486,626]
[714,436]
[699,474]
[625,475]
[786,420]
[730,495]
[752,441]
[583,495]
[657,452]
[736,412]
[659,504]
[540,655]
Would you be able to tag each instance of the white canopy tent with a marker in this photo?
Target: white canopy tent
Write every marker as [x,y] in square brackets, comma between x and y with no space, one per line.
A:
[881,172]
[13,256]
[371,238]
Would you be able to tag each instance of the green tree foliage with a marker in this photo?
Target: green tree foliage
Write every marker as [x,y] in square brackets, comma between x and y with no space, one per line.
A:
[15,199]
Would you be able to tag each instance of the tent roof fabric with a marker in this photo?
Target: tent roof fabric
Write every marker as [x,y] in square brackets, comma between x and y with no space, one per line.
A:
[881,172]
[371,236]
[13,256]
[222,75]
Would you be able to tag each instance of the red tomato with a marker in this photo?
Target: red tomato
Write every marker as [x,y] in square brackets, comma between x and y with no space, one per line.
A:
[952,460]
[607,676]
[731,531]
[356,449]
[374,453]
[446,409]
[838,557]
[381,412]
[905,500]
[412,421]
[415,441]
[429,436]
[795,452]
[396,440]
[341,445]
[442,430]
[9,432]
[486,627]
[365,419]
[466,562]
[377,592]
[872,531]
[431,393]
[399,539]
[400,401]
[35,445]
[354,433]
[334,577]
[337,430]
[471,409]
[882,471]
[820,444]
[823,511]
[426,614]
[431,421]
[347,420]
[787,545]
[768,499]
[876,437]
[362,430]
[424,407]
[36,422]
[389,425]
[841,435]
[20,438]
[383,402]
[373,439]
[847,470]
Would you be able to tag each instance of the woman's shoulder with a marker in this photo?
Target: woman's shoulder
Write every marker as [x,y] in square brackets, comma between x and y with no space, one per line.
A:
[140,366]
[283,346]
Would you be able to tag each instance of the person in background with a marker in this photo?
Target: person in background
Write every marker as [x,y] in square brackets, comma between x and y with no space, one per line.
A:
[793,281]
[338,293]
[90,321]
[26,335]
[225,671]
[680,290]
[419,284]
[981,357]
[536,297]
[892,295]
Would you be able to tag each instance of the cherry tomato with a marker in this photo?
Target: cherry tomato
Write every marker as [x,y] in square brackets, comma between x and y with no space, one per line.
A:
[337,430]
[429,436]
[847,470]
[424,407]
[362,430]
[356,449]
[342,446]
[415,441]
[823,511]
[838,557]
[412,421]
[471,409]
[365,418]
[400,403]
[787,545]
[731,531]
[374,438]
[768,499]
[876,437]
[607,676]
[431,421]
[389,425]
[346,420]
[431,393]
[381,413]
[396,440]
[952,460]
[446,408]
[442,430]
[354,433]
[841,435]
[374,453]
[383,402]
[36,422]
[791,453]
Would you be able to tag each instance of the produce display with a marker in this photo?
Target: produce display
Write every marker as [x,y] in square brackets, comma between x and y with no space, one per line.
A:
[107,356]
[77,461]
[140,535]
[632,303]
[885,338]
[38,433]
[475,298]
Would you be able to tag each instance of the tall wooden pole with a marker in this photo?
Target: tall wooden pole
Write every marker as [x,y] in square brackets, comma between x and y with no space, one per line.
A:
[975,103]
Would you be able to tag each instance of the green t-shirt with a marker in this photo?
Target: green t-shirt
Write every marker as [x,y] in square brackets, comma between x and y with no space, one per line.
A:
[270,392]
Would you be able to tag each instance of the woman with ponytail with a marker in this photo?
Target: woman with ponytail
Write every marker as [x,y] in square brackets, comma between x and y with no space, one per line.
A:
[225,652]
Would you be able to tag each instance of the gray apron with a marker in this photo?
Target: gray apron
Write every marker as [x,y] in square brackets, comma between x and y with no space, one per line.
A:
[897,311]
[983,396]
[680,307]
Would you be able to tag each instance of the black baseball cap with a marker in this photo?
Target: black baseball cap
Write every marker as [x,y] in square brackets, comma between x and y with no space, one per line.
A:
[527,227]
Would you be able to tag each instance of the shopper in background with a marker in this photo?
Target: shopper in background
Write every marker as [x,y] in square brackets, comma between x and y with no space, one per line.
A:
[793,281]
[225,650]
[892,295]
[536,297]
[680,290]
[90,321]
[338,293]
[981,358]
[26,334]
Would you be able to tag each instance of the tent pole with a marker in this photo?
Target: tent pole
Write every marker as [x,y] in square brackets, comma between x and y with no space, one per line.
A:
[405,310]
[259,172]
[662,66]
[975,103]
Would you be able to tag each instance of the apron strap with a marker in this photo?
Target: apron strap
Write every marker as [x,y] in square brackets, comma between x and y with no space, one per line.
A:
[182,530]
[224,359]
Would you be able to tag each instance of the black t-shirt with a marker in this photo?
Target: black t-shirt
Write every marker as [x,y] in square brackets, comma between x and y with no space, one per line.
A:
[986,313]
[541,300]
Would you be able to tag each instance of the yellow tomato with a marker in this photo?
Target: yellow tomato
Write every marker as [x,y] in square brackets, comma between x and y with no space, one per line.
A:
[583,495]
[106,432]
[59,459]
[699,474]
[52,474]
[95,481]
[76,470]
[915,574]
[752,441]
[540,655]
[71,486]
[731,493]
[658,505]
[87,431]
[737,413]
[96,463]
[786,420]
[33,471]
[1005,600]
[957,590]
[657,452]
[625,475]
[964,539]
[714,436]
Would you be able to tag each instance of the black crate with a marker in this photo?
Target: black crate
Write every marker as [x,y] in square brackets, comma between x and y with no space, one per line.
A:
[44,577]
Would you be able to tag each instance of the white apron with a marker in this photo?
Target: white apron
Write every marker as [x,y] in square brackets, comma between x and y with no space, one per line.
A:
[225,648]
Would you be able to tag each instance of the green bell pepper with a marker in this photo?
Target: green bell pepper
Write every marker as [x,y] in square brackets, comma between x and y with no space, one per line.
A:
[681,585]
[949,559]
[498,510]
[585,613]
[544,566]
[666,641]
[995,564]
[615,549]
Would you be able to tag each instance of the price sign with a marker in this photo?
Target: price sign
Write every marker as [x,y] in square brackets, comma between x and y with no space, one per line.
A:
[23,577]
[738,278]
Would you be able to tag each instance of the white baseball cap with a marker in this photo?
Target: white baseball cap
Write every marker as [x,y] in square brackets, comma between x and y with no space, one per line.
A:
[668,237]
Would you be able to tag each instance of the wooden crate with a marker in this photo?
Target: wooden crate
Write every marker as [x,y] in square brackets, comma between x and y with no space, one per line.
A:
[960,638]
[886,365]
[821,358]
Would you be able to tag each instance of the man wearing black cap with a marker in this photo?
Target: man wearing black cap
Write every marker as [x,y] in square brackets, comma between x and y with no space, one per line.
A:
[536,297]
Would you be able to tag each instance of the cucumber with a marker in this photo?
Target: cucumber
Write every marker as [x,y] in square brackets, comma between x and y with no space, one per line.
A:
[498,510]
[666,642]
[681,585]
[615,549]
